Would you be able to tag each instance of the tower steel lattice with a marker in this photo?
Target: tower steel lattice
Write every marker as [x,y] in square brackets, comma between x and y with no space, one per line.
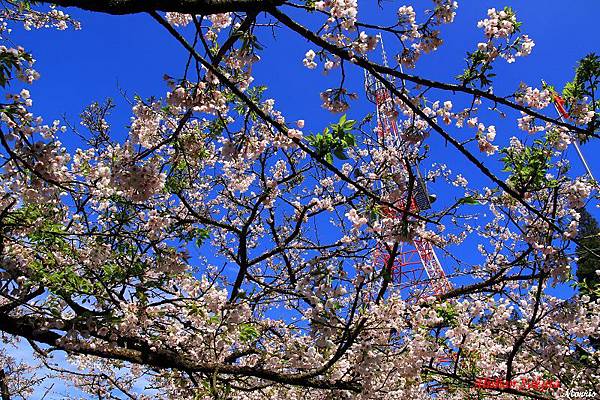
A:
[416,268]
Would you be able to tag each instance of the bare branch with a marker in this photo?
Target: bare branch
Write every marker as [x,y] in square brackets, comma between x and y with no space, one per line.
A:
[203,7]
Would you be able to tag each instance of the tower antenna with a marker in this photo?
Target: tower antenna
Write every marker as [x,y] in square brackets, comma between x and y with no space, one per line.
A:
[559,106]
[383,53]
[415,266]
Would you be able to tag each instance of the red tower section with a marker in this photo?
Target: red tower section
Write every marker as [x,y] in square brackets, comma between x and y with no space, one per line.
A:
[415,267]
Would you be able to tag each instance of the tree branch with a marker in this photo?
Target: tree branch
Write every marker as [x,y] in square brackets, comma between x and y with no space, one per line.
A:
[137,352]
[278,126]
[203,7]
[373,67]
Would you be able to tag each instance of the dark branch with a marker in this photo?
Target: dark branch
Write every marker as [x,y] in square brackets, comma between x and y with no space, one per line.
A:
[138,352]
[203,7]
[383,70]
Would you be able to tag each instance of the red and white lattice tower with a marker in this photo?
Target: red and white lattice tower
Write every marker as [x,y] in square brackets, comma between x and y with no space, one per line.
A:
[416,268]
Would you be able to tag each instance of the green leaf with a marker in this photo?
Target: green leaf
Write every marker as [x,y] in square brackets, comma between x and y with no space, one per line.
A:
[339,153]
[468,200]
[248,332]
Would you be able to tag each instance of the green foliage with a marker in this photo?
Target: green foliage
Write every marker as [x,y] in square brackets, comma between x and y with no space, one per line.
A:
[49,241]
[449,313]
[248,332]
[585,84]
[25,5]
[176,180]
[255,94]
[52,246]
[25,215]
[310,5]
[478,69]
[250,43]
[528,167]
[588,262]
[10,62]
[374,210]
[216,127]
[196,235]
[512,15]
[63,280]
[174,184]
[48,233]
[587,77]
[468,200]
[334,140]
[214,389]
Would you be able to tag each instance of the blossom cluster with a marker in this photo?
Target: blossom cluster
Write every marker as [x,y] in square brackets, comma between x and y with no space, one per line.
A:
[423,38]
[534,98]
[500,28]
[499,24]
[344,10]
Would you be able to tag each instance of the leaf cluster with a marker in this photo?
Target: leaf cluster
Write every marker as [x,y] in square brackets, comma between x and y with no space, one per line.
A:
[528,167]
[334,140]
[10,62]
[479,70]
[585,84]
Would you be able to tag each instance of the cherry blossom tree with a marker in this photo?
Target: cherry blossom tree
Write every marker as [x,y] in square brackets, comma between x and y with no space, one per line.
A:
[96,241]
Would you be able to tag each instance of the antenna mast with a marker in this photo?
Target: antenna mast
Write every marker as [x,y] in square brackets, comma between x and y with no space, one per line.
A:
[416,267]
[559,106]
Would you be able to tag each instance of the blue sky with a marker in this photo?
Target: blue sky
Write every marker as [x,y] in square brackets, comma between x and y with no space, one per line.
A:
[132,53]
[112,55]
